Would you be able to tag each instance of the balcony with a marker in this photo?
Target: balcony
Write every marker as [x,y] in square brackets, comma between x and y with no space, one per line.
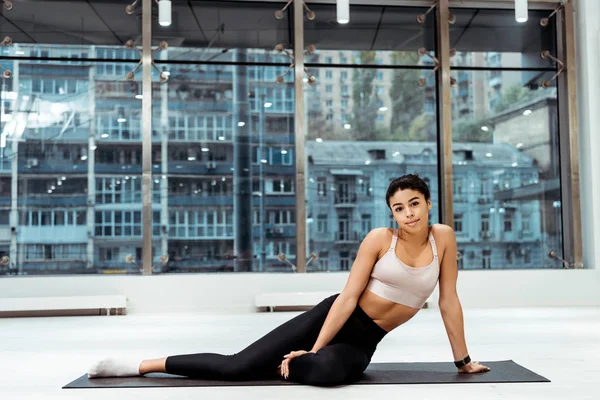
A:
[53,200]
[274,231]
[346,237]
[486,235]
[345,200]
[36,166]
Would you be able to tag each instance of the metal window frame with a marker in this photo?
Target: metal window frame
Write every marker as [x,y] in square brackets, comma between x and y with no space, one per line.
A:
[568,138]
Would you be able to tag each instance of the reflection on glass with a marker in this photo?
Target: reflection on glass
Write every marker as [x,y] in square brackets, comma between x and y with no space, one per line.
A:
[366,127]
[493,39]
[229,185]
[71,145]
[505,171]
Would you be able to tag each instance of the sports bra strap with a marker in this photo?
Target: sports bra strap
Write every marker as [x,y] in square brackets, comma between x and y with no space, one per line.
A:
[394,240]
[433,245]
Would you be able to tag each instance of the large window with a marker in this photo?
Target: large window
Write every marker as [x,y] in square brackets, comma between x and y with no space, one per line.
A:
[369,121]
[505,141]
[223,148]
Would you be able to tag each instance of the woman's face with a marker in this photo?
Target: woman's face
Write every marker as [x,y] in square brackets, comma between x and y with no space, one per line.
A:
[410,210]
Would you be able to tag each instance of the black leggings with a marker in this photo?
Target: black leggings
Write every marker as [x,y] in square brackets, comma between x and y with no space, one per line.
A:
[342,361]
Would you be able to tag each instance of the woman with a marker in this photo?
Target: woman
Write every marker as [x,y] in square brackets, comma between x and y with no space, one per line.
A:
[394,273]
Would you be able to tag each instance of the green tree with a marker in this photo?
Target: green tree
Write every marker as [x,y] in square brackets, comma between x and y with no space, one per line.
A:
[406,95]
[365,100]
[513,95]
[470,131]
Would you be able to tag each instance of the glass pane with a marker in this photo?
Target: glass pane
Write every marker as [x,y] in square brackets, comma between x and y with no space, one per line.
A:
[220,116]
[506,172]
[380,35]
[493,39]
[210,30]
[385,129]
[56,152]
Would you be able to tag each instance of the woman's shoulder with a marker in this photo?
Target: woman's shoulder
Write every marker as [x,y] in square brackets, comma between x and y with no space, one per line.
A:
[381,233]
[442,233]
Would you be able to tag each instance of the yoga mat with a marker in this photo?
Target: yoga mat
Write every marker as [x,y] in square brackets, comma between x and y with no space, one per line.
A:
[376,374]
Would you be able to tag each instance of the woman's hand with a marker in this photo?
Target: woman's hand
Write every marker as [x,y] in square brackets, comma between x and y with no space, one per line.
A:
[285,364]
[473,368]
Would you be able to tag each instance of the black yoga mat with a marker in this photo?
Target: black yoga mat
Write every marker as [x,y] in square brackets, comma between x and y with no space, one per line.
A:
[376,374]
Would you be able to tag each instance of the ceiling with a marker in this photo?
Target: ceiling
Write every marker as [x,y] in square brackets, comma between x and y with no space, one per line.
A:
[233,24]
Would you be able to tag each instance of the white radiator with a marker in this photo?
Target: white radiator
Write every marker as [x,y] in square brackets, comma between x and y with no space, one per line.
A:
[68,305]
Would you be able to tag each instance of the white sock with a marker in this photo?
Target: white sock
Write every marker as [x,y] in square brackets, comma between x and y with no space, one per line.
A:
[115,367]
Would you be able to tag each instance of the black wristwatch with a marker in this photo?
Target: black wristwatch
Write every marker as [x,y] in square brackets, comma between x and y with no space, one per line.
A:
[463,362]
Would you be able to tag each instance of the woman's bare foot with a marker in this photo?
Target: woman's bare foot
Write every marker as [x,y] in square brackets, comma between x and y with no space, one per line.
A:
[155,365]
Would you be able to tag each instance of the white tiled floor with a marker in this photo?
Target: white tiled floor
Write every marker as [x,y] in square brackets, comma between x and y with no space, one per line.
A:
[39,355]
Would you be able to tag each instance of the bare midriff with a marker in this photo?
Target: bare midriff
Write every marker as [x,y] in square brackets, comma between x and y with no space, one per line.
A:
[385,313]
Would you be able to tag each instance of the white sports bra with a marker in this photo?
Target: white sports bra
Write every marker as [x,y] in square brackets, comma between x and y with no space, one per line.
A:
[395,281]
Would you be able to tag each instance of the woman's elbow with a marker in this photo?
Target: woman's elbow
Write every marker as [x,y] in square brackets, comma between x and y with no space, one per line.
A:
[448,303]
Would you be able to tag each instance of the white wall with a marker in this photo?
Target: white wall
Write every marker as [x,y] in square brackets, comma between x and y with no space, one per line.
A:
[235,292]
[587,14]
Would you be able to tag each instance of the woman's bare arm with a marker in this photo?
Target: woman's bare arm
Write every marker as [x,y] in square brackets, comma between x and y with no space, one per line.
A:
[346,302]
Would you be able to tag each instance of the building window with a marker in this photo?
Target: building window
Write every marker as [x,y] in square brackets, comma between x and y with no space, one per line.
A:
[509,256]
[458,222]
[458,187]
[280,186]
[459,259]
[485,223]
[507,223]
[344,75]
[321,187]
[345,260]
[365,221]
[486,259]
[329,74]
[526,223]
[322,225]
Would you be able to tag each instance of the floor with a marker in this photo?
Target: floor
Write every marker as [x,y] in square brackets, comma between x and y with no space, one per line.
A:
[40,355]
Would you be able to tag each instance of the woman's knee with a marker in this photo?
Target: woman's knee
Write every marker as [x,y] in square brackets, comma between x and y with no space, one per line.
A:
[235,369]
[318,370]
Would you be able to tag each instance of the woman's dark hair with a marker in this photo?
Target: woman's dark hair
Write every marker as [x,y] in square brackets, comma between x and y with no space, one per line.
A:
[409,181]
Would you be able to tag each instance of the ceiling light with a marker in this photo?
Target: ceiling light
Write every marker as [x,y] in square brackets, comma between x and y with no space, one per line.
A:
[164,12]
[284,152]
[268,104]
[521,11]
[527,112]
[139,96]
[347,126]
[343,11]
[485,128]
[240,124]
[319,140]
[205,149]
[383,109]
[488,154]
[104,135]
[121,119]
[519,145]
